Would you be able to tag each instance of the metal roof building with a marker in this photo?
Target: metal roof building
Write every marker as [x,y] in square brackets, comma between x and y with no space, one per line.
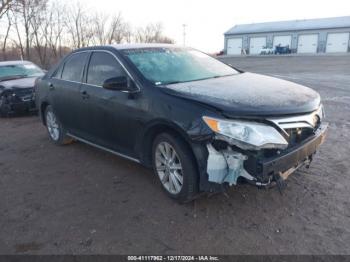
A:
[325,35]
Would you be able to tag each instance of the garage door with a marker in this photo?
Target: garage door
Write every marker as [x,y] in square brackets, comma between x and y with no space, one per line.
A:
[337,42]
[256,44]
[234,46]
[307,43]
[282,40]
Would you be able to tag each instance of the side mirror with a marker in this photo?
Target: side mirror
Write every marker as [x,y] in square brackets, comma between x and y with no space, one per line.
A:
[116,83]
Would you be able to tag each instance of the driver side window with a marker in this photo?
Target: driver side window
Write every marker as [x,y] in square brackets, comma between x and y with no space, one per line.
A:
[103,66]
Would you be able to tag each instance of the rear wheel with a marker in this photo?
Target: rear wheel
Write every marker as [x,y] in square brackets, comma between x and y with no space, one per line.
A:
[55,129]
[175,167]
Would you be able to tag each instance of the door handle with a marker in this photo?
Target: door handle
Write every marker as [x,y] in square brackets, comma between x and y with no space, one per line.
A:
[84,94]
[51,86]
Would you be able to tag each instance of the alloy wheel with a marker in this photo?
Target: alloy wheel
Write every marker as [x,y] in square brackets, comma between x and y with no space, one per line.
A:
[169,168]
[52,125]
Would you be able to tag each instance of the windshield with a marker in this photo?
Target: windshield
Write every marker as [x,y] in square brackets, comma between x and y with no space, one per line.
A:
[176,65]
[21,70]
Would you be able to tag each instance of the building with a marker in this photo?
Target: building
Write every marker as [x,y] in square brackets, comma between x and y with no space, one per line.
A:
[325,35]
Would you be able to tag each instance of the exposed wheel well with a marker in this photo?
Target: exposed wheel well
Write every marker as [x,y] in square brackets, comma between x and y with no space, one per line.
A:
[42,112]
[149,137]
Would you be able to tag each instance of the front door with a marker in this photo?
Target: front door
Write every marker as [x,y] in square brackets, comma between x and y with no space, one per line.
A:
[110,115]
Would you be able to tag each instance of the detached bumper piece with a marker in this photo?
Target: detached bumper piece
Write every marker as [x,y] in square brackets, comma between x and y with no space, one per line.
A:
[226,166]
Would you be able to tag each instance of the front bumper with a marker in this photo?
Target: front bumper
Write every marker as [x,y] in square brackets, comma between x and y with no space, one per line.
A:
[224,167]
[23,106]
[293,157]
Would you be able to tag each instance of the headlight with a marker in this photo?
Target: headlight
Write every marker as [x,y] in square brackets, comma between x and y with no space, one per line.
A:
[247,135]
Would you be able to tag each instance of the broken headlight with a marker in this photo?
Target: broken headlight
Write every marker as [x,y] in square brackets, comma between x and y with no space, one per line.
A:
[245,134]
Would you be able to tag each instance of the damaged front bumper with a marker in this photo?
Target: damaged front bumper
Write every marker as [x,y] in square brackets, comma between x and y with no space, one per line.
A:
[226,166]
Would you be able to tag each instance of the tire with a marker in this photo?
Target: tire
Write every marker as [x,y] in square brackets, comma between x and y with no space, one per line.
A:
[4,108]
[170,171]
[57,133]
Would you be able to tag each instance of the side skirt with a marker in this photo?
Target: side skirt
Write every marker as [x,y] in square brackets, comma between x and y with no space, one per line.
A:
[104,148]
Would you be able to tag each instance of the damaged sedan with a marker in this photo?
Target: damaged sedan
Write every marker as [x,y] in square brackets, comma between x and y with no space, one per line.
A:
[202,125]
[17,80]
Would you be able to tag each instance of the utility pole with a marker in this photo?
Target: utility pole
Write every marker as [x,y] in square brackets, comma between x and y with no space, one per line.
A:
[184,34]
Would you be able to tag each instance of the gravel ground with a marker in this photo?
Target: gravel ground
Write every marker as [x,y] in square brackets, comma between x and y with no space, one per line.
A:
[80,200]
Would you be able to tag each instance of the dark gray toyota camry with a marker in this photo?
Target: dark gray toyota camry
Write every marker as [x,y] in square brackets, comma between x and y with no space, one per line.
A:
[202,125]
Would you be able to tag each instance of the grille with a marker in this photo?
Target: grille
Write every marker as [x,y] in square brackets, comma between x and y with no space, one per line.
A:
[300,127]
[298,135]
[23,92]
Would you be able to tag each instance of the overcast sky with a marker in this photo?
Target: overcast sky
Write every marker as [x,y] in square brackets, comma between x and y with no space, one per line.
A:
[207,20]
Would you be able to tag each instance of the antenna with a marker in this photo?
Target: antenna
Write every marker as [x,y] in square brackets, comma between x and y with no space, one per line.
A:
[184,34]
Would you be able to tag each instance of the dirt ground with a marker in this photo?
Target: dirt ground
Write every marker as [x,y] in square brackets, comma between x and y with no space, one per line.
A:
[80,200]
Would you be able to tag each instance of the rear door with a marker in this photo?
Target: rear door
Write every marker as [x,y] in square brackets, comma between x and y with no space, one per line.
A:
[111,116]
[65,91]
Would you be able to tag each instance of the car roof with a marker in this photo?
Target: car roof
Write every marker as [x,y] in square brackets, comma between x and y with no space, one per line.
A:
[143,45]
[128,46]
[15,62]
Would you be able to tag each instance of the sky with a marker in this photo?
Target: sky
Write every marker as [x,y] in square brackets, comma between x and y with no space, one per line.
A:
[207,20]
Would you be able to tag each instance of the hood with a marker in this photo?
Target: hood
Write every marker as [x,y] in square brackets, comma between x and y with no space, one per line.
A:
[249,94]
[21,83]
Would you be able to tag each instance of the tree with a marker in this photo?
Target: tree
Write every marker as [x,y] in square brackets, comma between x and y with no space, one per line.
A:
[79,26]
[152,33]
[26,11]
[109,30]
[7,33]
[45,30]
[4,6]
[56,28]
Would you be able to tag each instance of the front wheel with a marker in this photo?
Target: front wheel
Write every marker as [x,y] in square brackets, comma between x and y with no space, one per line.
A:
[55,129]
[174,164]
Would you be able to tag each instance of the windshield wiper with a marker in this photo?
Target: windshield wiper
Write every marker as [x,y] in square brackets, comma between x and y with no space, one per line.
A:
[172,82]
[6,78]
[223,75]
[193,80]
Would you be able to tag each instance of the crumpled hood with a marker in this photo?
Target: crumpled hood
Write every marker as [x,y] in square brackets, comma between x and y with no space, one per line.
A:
[249,94]
[19,83]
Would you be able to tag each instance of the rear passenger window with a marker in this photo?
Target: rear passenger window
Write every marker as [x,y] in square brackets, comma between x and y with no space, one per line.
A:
[103,66]
[74,67]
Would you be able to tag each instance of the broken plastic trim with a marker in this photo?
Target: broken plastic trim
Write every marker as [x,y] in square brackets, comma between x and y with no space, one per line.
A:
[226,166]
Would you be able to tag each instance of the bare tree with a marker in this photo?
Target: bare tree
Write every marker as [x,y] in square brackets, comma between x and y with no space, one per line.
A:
[109,30]
[128,33]
[6,36]
[79,26]
[41,30]
[19,42]
[118,30]
[45,30]
[57,27]
[99,28]
[152,33]
[4,6]
[27,10]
